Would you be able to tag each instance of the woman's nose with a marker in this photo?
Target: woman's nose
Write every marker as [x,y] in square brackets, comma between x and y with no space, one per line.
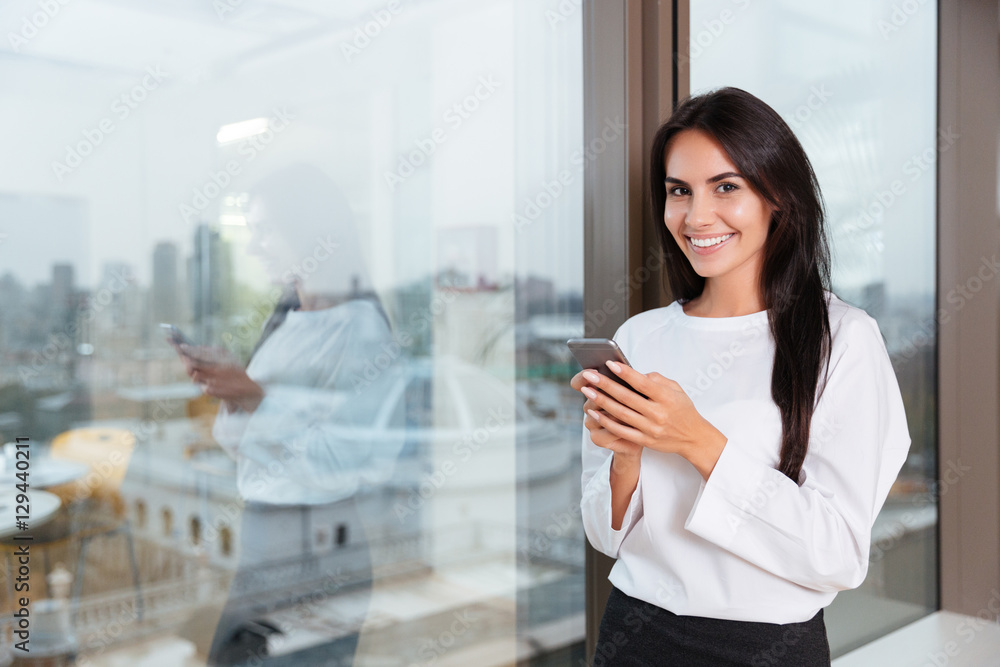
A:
[701,211]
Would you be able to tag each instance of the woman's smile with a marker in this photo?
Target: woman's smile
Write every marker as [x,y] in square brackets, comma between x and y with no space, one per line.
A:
[706,245]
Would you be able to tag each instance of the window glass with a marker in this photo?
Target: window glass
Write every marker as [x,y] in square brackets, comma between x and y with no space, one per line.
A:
[284,295]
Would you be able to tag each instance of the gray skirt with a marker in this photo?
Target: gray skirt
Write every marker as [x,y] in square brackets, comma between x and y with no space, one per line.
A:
[635,633]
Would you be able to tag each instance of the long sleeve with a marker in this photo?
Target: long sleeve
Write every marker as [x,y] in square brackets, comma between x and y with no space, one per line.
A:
[595,504]
[317,439]
[818,534]
[228,429]
[315,434]
[595,483]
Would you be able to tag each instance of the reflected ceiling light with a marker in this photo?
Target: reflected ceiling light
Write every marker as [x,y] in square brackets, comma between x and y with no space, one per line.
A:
[241,130]
[233,219]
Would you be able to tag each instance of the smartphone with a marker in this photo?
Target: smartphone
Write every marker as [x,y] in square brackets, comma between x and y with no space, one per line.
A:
[594,352]
[175,335]
[193,351]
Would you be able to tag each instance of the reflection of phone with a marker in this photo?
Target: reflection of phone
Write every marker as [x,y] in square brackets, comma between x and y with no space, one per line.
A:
[594,352]
[175,335]
[177,338]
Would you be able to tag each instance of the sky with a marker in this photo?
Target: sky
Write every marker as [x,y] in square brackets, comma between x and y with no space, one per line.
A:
[162,78]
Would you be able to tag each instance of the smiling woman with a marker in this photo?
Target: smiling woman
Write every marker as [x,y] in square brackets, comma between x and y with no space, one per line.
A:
[711,207]
[738,512]
[779,259]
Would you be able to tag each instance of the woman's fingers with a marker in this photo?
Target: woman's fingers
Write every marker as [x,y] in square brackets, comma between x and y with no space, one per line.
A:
[603,404]
[193,366]
[603,438]
[604,442]
[636,380]
[199,376]
[623,420]
[578,381]
[594,425]
[615,390]
[619,430]
[597,402]
[607,440]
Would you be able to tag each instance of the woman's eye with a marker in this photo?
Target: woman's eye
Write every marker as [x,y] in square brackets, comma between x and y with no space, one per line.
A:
[677,191]
[728,187]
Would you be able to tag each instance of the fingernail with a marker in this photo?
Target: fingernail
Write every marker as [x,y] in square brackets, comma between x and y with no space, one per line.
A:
[589,393]
[592,376]
[614,366]
[594,415]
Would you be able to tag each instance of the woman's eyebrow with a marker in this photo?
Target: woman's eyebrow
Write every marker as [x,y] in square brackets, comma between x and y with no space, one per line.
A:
[719,177]
[714,179]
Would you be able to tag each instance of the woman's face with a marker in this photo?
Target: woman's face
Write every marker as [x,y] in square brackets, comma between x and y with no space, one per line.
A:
[267,244]
[707,199]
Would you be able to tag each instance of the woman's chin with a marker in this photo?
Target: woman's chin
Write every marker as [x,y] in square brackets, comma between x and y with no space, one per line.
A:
[702,270]
[277,276]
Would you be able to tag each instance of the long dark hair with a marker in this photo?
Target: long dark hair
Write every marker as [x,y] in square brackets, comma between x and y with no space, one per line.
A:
[795,270]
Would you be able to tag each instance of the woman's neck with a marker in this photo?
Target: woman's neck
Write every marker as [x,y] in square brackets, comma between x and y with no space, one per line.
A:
[311,301]
[725,298]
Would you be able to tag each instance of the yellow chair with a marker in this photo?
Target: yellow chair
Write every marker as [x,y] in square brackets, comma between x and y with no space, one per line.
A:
[203,407]
[201,411]
[106,451]
[95,500]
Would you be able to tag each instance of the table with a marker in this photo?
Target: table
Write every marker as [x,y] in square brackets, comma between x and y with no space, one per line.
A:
[46,472]
[42,507]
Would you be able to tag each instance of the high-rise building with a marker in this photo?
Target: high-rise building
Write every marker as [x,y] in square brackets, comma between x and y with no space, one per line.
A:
[210,279]
[61,295]
[165,303]
[111,301]
[62,284]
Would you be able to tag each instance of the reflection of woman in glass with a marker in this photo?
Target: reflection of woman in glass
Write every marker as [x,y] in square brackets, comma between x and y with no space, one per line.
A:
[298,420]
[740,497]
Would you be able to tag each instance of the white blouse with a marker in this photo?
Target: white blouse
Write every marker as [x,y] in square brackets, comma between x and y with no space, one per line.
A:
[318,435]
[749,544]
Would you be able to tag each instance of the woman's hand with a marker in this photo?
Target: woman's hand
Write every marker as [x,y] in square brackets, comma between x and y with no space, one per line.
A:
[625,450]
[626,457]
[222,379]
[666,422]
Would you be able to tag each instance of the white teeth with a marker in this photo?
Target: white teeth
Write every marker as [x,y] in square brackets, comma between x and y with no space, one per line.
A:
[706,243]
